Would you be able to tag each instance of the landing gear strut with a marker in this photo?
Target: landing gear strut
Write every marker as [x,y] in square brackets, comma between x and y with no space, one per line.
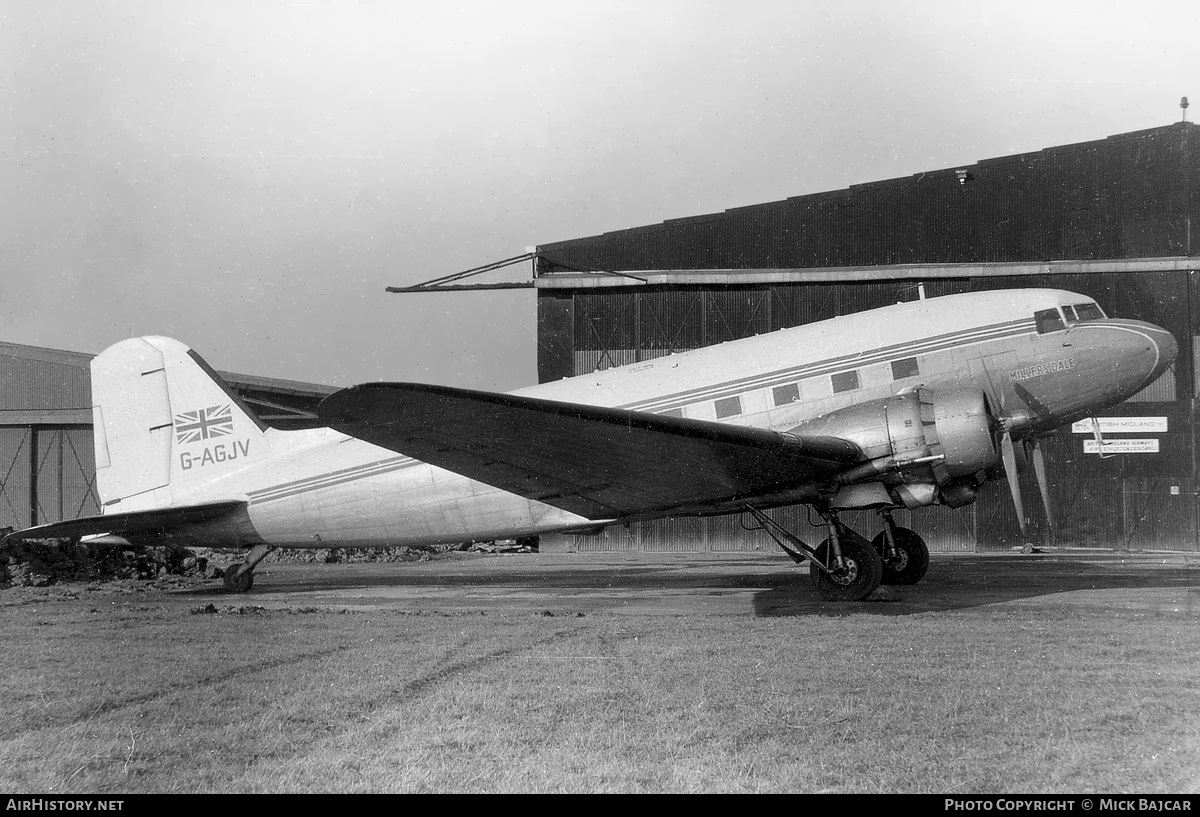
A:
[239,577]
[853,568]
[845,567]
[904,554]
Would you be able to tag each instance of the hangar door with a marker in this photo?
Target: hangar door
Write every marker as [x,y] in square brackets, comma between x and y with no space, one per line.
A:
[47,473]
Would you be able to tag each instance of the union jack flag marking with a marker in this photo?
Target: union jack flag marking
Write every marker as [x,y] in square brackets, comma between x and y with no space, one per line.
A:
[194,426]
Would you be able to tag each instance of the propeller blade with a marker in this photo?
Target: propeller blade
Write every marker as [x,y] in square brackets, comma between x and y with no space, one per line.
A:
[1010,470]
[1099,439]
[1039,470]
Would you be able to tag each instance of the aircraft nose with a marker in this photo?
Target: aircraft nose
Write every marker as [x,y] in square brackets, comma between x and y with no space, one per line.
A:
[1150,349]
[1166,349]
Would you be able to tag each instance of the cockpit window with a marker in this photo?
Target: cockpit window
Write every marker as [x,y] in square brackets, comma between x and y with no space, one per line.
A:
[1048,320]
[1087,312]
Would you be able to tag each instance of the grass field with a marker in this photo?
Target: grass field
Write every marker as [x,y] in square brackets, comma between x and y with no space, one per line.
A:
[116,693]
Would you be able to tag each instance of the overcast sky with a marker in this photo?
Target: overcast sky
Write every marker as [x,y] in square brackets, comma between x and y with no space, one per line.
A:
[248,176]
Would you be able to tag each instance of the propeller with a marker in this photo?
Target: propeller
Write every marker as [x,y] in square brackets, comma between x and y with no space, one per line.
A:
[1099,438]
[1039,471]
[1008,454]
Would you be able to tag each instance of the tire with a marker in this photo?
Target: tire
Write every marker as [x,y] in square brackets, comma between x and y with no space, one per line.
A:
[911,560]
[858,579]
[238,584]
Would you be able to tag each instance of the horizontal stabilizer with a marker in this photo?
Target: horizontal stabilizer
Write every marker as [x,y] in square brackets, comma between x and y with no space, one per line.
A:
[598,462]
[152,522]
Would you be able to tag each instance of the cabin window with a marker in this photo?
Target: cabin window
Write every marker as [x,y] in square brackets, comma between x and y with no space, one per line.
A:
[1088,312]
[1048,320]
[728,407]
[786,394]
[905,368]
[845,381]
[672,413]
[1069,314]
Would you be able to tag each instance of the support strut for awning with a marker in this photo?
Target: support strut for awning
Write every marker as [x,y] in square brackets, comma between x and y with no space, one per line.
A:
[448,283]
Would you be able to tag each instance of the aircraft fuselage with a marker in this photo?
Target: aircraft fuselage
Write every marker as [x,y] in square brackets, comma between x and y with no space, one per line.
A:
[1039,363]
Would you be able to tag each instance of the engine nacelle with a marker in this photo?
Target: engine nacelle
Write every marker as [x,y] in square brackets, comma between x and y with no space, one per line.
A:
[923,446]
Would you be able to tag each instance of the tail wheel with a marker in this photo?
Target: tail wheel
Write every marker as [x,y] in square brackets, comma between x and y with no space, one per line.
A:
[910,561]
[857,578]
[236,582]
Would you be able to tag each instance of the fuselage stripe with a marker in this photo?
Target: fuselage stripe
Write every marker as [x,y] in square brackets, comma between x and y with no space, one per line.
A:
[330,479]
[679,399]
[831,365]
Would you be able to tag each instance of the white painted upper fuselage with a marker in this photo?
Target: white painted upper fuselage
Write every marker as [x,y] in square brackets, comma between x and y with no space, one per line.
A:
[321,488]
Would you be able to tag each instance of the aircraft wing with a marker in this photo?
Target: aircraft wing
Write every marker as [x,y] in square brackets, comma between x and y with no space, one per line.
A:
[600,463]
[156,521]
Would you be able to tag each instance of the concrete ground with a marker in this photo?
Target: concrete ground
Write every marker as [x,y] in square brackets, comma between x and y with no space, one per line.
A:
[732,584]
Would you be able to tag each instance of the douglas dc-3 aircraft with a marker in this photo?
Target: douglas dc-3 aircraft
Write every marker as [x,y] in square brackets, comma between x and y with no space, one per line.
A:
[901,407]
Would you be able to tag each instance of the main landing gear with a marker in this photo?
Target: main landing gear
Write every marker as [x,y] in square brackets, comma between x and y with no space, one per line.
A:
[847,567]
[904,554]
[239,577]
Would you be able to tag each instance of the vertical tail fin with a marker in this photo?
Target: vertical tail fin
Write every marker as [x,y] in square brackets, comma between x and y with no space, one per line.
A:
[163,418]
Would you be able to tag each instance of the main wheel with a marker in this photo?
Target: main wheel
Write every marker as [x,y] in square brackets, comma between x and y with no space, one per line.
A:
[236,583]
[860,575]
[910,561]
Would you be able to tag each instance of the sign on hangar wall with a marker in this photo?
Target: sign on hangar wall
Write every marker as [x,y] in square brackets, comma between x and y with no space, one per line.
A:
[1122,425]
[1127,446]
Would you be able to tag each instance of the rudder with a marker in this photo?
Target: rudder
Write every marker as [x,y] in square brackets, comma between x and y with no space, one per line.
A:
[163,418]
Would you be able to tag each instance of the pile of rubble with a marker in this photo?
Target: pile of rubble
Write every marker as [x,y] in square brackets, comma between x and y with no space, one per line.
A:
[331,556]
[524,545]
[48,561]
[406,553]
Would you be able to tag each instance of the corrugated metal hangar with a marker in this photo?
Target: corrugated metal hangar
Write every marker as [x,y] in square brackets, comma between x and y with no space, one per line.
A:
[1111,219]
[47,463]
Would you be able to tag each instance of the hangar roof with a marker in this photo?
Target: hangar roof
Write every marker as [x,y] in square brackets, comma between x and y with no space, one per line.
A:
[54,386]
[1127,196]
